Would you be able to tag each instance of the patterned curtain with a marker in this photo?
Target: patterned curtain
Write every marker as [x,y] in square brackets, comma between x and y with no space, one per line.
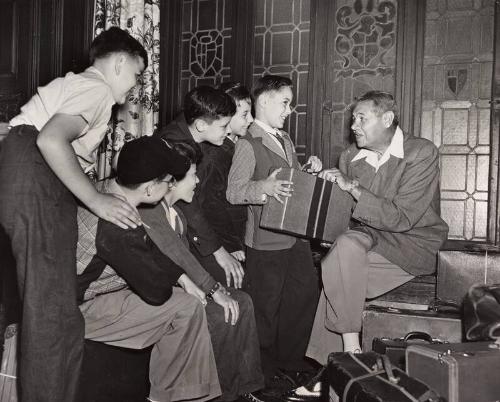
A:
[139,115]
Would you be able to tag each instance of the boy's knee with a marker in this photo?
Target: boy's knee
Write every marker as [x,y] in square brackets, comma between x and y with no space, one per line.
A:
[244,302]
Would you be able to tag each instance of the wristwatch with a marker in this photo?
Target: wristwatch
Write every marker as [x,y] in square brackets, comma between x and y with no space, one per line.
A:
[214,289]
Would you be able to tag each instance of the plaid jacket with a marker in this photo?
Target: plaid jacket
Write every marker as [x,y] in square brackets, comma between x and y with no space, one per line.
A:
[110,258]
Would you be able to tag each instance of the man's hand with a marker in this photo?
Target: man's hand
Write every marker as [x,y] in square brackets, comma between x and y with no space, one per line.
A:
[336,176]
[230,306]
[313,164]
[231,267]
[239,255]
[277,188]
[115,209]
[190,287]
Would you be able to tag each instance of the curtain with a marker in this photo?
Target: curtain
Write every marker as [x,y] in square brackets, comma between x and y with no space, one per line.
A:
[139,115]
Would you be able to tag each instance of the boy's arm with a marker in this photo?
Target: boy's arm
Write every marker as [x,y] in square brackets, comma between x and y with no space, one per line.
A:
[54,142]
[241,189]
[136,258]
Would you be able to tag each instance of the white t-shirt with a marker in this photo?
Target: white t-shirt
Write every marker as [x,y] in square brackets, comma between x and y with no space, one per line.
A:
[86,94]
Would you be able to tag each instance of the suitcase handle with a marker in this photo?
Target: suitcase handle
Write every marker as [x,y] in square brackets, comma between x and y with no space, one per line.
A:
[418,335]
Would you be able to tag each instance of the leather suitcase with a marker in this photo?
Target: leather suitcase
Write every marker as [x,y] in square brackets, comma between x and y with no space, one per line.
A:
[369,377]
[387,322]
[395,349]
[457,271]
[460,372]
[317,209]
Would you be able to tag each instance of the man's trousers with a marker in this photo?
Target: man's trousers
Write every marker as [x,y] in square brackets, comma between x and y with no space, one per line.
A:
[182,365]
[351,273]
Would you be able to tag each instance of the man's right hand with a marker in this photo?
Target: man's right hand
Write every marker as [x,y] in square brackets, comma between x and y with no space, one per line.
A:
[277,188]
[231,267]
[230,306]
[115,209]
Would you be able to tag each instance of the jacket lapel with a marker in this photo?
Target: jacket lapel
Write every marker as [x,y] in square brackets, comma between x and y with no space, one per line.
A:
[258,132]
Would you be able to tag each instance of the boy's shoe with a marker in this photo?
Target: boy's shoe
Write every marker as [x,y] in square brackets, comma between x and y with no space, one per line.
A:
[256,397]
[310,391]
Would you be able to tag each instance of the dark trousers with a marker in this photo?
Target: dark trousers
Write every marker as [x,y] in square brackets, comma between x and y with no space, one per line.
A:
[236,348]
[284,288]
[38,215]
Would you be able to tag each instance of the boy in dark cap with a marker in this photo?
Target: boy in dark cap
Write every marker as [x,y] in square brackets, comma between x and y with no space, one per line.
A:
[45,164]
[125,282]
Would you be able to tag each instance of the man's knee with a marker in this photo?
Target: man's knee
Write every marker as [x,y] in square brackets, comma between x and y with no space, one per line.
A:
[354,240]
[244,302]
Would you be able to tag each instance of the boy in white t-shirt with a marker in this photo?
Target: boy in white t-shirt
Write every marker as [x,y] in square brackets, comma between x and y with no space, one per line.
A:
[51,146]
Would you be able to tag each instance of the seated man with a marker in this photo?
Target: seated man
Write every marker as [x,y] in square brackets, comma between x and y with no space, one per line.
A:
[393,178]
[236,347]
[125,283]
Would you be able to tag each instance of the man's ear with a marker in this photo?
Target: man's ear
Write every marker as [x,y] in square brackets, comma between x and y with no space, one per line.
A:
[388,118]
[200,125]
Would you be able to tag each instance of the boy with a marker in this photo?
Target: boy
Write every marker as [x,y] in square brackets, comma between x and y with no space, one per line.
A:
[50,147]
[235,346]
[206,117]
[125,282]
[281,277]
[226,219]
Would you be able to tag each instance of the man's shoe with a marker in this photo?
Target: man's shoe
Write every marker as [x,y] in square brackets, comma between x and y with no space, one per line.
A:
[298,378]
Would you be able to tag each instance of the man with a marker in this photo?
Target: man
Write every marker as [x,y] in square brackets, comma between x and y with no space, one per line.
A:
[393,178]
[125,283]
[281,277]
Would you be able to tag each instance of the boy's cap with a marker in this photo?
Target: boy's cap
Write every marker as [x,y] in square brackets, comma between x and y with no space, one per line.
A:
[147,158]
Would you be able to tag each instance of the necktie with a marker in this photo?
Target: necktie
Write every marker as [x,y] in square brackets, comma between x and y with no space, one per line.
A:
[281,141]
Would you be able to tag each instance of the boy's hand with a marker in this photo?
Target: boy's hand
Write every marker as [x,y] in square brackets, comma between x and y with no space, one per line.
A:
[313,164]
[115,209]
[277,188]
[231,267]
[190,287]
[239,255]
[230,306]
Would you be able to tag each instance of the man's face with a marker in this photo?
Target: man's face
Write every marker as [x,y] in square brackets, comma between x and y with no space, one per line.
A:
[367,126]
[242,118]
[217,130]
[128,71]
[277,107]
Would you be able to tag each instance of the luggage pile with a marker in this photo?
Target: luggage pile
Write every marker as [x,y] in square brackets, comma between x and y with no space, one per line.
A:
[447,352]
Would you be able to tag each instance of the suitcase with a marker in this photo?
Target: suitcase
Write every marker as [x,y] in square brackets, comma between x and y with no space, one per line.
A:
[369,377]
[457,271]
[459,372]
[395,349]
[387,322]
[317,209]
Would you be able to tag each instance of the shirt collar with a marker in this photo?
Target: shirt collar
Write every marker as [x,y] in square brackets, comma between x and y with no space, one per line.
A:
[267,128]
[395,149]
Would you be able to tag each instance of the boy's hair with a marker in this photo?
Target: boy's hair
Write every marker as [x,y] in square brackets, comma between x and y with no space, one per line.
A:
[189,150]
[207,103]
[382,102]
[116,40]
[236,91]
[268,83]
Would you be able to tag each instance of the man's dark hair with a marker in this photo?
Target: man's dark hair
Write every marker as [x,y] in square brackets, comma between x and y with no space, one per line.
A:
[382,102]
[190,150]
[116,40]
[236,91]
[268,83]
[207,103]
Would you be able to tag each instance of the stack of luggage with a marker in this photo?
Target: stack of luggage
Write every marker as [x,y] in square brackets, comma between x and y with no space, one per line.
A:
[447,352]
